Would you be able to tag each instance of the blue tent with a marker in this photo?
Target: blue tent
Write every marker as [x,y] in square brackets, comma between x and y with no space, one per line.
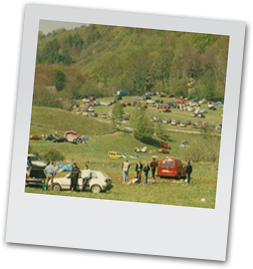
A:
[84,137]
[66,168]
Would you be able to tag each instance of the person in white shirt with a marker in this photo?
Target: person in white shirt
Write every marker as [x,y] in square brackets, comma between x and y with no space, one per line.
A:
[86,179]
[125,166]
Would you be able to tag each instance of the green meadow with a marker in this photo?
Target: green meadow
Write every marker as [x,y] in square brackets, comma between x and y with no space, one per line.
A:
[103,138]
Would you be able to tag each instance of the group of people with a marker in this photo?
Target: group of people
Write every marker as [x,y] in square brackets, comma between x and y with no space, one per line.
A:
[50,173]
[146,168]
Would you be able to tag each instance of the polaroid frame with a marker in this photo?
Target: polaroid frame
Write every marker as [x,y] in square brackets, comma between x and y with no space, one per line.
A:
[114,225]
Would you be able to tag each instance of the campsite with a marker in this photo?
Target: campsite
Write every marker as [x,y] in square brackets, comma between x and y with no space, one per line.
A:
[104,94]
[103,138]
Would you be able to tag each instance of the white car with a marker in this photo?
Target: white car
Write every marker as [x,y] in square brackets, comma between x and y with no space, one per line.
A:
[86,114]
[99,182]
[150,101]
[183,124]
[91,109]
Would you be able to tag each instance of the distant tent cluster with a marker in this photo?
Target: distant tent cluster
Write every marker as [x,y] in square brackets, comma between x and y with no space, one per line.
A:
[69,136]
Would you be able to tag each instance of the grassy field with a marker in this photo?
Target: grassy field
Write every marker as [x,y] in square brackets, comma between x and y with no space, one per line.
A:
[103,138]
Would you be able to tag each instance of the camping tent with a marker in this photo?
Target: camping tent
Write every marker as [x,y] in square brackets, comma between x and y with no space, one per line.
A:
[70,136]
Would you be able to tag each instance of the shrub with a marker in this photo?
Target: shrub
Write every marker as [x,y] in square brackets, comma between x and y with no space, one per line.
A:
[54,155]
[206,150]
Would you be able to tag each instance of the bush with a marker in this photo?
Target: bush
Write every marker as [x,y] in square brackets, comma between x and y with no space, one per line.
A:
[205,150]
[54,155]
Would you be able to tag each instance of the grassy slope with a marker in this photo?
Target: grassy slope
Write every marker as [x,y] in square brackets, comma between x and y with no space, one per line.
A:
[102,140]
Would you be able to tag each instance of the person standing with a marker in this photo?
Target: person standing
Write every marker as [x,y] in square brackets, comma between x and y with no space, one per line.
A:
[74,177]
[88,176]
[125,166]
[138,170]
[146,169]
[188,172]
[50,172]
[153,166]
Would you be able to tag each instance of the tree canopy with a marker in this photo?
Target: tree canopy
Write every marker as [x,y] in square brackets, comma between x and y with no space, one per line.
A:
[102,59]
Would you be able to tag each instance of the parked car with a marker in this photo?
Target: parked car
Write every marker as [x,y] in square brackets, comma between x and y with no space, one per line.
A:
[166,110]
[183,124]
[163,151]
[94,114]
[99,182]
[86,114]
[165,121]
[115,155]
[103,116]
[91,109]
[128,129]
[212,108]
[194,115]
[163,106]
[150,102]
[188,122]
[159,101]
[60,140]
[173,104]
[146,97]
[173,123]
[35,175]
[171,168]
[35,137]
[201,116]
[177,121]
[165,145]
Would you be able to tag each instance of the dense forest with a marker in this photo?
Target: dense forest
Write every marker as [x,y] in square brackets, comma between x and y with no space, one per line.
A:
[100,60]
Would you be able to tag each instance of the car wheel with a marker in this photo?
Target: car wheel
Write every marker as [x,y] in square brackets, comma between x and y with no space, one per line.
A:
[96,189]
[56,187]
[179,176]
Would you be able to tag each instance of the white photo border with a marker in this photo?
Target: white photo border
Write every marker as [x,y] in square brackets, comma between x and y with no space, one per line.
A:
[114,225]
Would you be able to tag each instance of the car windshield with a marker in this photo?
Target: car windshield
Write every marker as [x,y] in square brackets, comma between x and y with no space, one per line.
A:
[105,175]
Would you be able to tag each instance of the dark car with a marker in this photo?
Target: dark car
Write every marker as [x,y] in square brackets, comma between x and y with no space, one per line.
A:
[159,101]
[146,97]
[60,140]
[166,110]
[35,175]
[212,108]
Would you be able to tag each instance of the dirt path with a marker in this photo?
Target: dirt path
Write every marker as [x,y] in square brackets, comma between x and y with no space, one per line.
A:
[189,132]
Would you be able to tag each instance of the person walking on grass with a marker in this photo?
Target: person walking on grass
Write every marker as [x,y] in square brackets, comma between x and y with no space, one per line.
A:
[74,177]
[138,170]
[146,169]
[125,166]
[188,172]
[50,172]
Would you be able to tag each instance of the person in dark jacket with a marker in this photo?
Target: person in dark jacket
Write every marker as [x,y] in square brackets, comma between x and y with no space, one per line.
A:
[188,172]
[138,169]
[146,169]
[153,166]
[74,177]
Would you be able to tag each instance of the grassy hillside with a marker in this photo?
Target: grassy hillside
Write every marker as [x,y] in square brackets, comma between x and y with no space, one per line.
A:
[47,120]
[103,138]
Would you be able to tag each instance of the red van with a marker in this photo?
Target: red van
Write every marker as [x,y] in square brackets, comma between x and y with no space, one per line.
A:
[171,167]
